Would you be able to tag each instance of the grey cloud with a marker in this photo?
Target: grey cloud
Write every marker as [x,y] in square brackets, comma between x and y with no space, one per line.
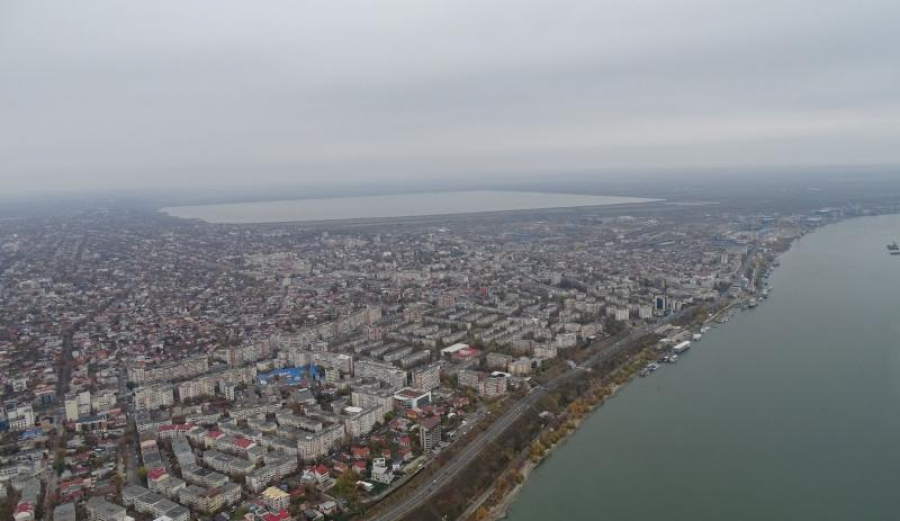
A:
[166,93]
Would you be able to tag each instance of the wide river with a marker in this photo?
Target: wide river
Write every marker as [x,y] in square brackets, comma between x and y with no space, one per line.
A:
[391,206]
[789,411]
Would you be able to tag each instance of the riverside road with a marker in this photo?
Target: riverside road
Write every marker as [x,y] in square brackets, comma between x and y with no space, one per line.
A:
[468,454]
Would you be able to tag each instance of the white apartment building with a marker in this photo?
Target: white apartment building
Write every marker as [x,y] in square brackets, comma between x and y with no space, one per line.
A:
[263,476]
[427,378]
[359,422]
[317,444]
[153,397]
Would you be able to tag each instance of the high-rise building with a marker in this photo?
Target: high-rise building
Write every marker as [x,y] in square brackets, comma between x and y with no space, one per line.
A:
[228,390]
[153,396]
[430,432]
[72,409]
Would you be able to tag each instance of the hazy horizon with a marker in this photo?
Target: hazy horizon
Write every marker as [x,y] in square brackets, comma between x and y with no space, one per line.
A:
[165,95]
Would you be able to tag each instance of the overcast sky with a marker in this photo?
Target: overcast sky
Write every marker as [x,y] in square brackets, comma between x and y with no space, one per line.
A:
[115,94]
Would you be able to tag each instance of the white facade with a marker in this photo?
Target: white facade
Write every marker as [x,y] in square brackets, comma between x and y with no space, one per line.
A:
[427,378]
[153,397]
[21,418]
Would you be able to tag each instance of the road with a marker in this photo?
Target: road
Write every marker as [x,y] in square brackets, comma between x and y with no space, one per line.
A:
[64,373]
[465,457]
[468,454]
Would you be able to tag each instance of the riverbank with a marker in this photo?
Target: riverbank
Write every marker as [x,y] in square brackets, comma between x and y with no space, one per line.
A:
[779,415]
[494,504]
[500,510]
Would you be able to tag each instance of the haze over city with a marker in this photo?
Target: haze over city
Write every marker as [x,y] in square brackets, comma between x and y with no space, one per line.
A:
[449,260]
[111,95]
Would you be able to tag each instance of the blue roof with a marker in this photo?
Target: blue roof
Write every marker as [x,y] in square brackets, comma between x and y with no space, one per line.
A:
[30,433]
[90,419]
[290,375]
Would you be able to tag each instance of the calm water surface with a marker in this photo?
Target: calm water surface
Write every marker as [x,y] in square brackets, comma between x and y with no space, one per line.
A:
[388,206]
[789,411]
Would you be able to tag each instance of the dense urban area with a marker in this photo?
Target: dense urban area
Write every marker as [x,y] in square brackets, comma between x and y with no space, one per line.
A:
[155,368]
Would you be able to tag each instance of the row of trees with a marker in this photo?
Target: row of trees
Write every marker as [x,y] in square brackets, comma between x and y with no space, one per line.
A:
[569,404]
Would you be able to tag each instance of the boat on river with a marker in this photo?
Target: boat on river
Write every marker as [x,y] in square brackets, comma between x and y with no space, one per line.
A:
[646,371]
[682,347]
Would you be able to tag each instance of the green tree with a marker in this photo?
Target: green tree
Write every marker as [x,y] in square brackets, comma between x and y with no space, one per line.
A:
[346,484]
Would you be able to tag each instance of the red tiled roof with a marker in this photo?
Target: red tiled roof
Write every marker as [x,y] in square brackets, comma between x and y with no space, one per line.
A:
[176,427]
[466,352]
[243,443]
[360,452]
[156,473]
[282,515]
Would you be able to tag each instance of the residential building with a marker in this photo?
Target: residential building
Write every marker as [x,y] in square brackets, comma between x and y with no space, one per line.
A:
[227,463]
[410,398]
[209,500]
[366,398]
[430,432]
[204,477]
[276,499]
[99,509]
[520,367]
[387,373]
[359,422]
[426,378]
[381,472]
[317,444]
[271,471]
[153,397]
[20,418]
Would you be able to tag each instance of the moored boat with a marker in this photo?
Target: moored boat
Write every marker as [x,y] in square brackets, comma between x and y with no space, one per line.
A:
[682,347]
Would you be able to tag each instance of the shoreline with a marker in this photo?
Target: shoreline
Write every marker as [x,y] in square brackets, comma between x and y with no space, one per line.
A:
[501,510]
[384,207]
[339,222]
[524,468]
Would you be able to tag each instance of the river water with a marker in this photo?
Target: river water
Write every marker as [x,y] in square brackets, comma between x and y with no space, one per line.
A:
[789,411]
